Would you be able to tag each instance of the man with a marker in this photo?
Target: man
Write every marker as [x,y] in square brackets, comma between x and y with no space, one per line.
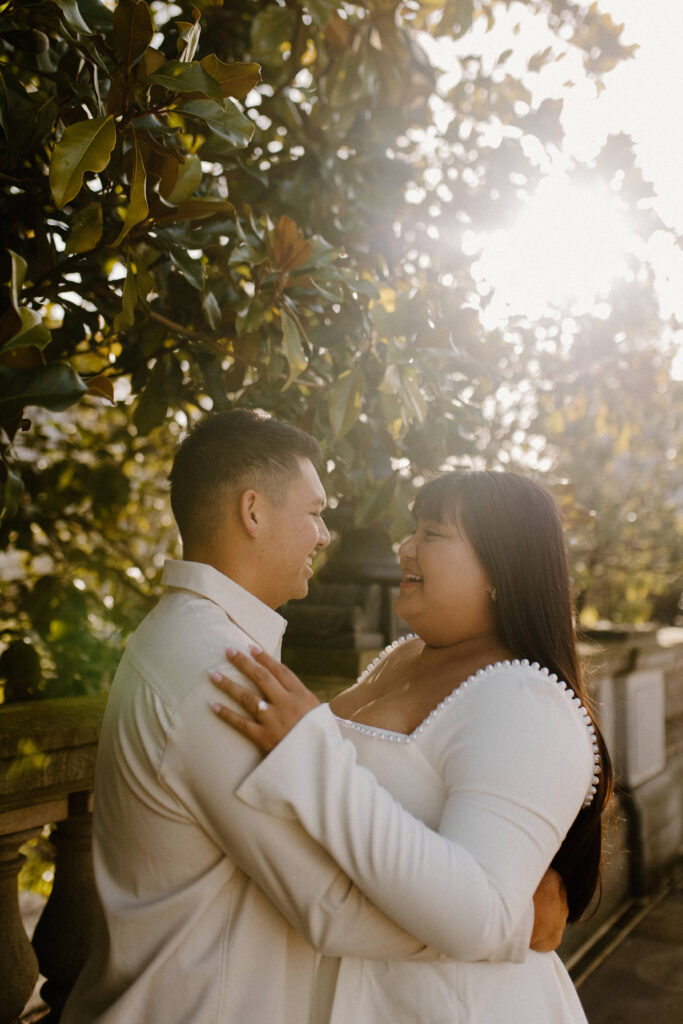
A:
[213,911]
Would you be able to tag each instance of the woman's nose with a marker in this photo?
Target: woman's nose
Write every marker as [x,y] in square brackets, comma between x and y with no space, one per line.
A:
[408,548]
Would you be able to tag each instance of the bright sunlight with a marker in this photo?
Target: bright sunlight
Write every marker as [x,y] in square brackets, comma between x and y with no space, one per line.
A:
[568,245]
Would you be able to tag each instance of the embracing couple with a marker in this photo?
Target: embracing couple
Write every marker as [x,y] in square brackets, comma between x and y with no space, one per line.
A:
[405,855]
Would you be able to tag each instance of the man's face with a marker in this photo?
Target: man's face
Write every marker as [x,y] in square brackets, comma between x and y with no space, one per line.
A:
[294,533]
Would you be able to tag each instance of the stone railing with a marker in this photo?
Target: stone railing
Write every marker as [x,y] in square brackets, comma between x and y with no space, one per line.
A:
[47,754]
[47,760]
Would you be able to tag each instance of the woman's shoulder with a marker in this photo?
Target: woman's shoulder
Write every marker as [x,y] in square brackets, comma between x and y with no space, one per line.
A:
[529,703]
[394,653]
[522,682]
[386,660]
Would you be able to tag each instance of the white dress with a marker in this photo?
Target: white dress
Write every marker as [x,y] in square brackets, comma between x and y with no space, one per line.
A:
[497,772]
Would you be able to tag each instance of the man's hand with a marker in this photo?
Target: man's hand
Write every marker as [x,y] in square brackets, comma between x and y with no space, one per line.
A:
[550,913]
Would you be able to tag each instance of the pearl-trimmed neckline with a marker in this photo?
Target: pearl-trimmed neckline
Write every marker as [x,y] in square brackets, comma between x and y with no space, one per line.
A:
[400,737]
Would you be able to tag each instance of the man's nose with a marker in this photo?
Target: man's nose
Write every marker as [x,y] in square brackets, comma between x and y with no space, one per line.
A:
[323,535]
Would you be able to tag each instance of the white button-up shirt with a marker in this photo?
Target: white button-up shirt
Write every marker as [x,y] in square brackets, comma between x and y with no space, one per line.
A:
[213,910]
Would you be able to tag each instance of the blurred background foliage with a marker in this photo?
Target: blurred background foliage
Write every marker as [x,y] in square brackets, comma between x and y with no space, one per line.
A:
[266,204]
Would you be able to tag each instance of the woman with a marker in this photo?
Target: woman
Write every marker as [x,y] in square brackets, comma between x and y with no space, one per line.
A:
[475,727]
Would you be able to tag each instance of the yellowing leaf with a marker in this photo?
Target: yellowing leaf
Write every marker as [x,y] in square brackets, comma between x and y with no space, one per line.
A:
[236,79]
[195,209]
[387,297]
[102,387]
[126,318]
[137,207]
[556,421]
[187,179]
[602,421]
[623,440]
[289,249]
[84,146]
[589,616]
[152,60]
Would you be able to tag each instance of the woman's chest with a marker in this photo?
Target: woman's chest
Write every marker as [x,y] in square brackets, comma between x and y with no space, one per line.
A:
[400,765]
[395,701]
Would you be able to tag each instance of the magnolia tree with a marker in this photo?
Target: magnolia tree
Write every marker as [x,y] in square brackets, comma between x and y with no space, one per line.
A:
[253,204]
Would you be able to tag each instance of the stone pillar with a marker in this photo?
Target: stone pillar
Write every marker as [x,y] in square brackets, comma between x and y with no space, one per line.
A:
[64,934]
[649,788]
[18,963]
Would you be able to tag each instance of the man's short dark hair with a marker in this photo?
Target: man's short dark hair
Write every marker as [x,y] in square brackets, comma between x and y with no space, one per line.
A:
[241,448]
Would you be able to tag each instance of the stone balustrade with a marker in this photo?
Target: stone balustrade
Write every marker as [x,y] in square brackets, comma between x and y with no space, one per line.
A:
[47,761]
[47,755]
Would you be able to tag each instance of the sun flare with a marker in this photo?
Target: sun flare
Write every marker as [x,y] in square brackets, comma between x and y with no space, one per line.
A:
[565,249]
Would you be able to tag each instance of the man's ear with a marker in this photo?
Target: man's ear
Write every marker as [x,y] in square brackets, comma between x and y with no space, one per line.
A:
[251,512]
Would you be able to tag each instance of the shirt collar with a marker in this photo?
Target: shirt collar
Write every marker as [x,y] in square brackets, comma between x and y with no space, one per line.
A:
[265,626]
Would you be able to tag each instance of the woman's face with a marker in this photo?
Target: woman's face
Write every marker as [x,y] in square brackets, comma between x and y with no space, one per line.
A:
[445,593]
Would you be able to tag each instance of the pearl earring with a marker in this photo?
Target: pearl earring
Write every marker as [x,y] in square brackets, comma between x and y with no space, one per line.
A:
[492,592]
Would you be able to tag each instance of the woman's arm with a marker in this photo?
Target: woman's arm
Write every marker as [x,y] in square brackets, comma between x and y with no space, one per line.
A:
[516,760]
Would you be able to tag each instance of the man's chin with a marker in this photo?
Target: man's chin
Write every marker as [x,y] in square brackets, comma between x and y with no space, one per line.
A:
[301,591]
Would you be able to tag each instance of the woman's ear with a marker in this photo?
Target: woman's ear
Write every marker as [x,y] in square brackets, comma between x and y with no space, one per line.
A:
[250,512]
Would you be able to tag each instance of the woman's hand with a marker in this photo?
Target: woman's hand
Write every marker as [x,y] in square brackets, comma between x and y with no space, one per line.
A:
[284,701]
[550,913]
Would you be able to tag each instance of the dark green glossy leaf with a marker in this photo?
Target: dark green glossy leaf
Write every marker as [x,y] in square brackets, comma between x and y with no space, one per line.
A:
[54,386]
[72,16]
[86,230]
[4,106]
[162,391]
[346,400]
[191,269]
[11,491]
[292,348]
[19,267]
[228,122]
[133,30]
[177,76]
[271,27]
[32,332]
[96,14]
[212,311]
[321,10]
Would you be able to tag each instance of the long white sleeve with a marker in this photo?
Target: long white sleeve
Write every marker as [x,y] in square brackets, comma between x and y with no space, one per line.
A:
[516,759]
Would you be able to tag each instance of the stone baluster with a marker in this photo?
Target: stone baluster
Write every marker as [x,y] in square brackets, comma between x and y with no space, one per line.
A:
[18,963]
[64,933]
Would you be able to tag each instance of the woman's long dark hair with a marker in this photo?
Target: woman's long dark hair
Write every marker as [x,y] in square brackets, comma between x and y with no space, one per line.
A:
[515,529]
